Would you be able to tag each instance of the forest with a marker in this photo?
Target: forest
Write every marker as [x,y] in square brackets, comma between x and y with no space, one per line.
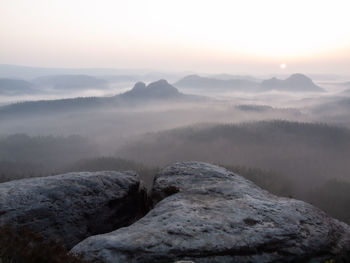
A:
[307,161]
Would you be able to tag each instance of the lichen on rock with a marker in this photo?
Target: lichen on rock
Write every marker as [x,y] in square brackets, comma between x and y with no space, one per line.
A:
[71,207]
[218,216]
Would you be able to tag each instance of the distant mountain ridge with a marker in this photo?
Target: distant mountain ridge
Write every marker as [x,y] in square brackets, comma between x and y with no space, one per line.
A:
[295,83]
[156,92]
[70,82]
[11,87]
[108,74]
[27,72]
[60,83]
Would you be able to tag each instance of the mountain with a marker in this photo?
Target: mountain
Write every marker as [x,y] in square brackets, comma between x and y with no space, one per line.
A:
[195,81]
[71,82]
[141,94]
[52,106]
[296,82]
[11,87]
[25,72]
[160,89]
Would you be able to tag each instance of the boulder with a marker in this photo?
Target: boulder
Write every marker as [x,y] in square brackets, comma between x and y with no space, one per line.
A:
[70,207]
[208,214]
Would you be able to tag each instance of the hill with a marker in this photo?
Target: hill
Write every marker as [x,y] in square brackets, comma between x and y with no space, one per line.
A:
[295,83]
[156,92]
[304,152]
[71,82]
[11,71]
[12,87]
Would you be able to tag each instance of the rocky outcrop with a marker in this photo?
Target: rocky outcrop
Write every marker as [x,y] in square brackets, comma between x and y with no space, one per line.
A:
[160,89]
[71,207]
[208,214]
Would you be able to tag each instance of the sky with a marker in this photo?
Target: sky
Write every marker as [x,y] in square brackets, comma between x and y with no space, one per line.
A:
[214,36]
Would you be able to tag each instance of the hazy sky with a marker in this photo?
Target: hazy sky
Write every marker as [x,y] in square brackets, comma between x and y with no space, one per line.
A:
[242,36]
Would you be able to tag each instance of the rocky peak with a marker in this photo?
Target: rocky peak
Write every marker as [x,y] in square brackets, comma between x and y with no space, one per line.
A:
[299,78]
[139,86]
[206,213]
[70,207]
[157,89]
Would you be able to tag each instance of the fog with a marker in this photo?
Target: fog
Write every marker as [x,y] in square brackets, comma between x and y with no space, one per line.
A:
[289,142]
[113,124]
[261,88]
[125,121]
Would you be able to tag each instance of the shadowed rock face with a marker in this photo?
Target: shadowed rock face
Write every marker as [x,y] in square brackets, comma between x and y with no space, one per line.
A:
[71,207]
[208,214]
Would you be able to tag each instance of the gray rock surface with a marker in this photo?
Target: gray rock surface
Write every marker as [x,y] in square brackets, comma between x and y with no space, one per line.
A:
[209,214]
[71,207]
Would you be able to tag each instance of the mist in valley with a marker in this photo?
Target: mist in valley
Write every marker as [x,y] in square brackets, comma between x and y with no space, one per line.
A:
[293,143]
[174,131]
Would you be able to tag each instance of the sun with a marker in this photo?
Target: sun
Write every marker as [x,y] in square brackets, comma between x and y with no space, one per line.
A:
[283,66]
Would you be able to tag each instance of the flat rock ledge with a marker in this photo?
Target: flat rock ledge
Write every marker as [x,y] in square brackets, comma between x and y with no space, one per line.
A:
[70,207]
[209,214]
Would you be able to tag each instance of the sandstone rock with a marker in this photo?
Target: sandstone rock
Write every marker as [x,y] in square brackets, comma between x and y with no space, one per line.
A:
[71,207]
[209,214]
